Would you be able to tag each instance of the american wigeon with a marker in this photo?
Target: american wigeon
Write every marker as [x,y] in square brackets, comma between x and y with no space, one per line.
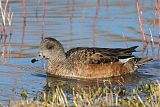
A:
[88,62]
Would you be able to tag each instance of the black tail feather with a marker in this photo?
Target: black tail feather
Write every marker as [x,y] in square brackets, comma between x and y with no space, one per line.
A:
[130,50]
[133,47]
[126,53]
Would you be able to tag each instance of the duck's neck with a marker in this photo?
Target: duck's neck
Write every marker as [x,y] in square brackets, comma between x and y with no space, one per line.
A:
[58,58]
[58,64]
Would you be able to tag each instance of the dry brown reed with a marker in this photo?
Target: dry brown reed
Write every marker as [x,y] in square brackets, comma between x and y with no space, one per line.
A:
[6,15]
[24,10]
[141,23]
[158,9]
[3,13]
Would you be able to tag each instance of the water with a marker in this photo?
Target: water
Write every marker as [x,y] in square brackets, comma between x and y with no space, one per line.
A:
[94,23]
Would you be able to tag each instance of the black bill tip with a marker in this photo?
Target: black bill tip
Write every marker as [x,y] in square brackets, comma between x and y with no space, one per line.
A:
[34,60]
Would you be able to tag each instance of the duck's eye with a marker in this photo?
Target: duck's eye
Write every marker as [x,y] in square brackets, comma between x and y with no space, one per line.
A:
[49,46]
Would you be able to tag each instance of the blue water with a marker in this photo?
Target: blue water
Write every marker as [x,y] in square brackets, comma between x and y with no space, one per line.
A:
[94,23]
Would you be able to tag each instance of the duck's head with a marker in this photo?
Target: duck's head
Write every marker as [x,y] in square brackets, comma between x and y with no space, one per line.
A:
[51,49]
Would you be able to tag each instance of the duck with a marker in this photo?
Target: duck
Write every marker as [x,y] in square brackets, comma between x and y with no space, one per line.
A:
[88,62]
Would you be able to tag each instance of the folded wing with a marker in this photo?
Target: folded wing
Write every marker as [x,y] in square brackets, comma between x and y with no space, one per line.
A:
[99,55]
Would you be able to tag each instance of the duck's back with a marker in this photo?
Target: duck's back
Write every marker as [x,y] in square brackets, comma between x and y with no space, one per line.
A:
[95,55]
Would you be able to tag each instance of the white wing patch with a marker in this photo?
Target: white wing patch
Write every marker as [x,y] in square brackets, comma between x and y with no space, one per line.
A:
[125,60]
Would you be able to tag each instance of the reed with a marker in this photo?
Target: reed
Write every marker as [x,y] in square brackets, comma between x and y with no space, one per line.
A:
[3,13]
[158,9]
[23,32]
[152,43]
[141,23]
[24,10]
[6,15]
[24,22]
[9,17]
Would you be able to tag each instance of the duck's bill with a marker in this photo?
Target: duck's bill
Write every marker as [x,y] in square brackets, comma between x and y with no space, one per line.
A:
[37,59]
[34,60]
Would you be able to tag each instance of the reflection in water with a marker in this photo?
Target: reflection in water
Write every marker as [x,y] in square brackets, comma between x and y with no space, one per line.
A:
[95,22]
[24,22]
[68,85]
[132,78]
[70,11]
[23,32]
[43,17]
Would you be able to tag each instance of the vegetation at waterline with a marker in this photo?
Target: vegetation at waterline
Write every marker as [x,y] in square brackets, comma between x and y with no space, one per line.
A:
[144,95]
